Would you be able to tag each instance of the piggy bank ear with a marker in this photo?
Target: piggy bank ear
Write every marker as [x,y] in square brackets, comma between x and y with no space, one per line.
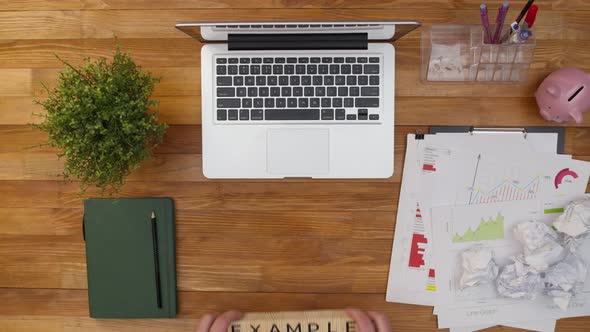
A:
[577,116]
[553,90]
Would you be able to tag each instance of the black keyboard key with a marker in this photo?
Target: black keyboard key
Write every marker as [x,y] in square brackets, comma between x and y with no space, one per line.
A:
[326,102]
[244,115]
[351,117]
[374,117]
[269,102]
[256,114]
[303,60]
[300,69]
[314,60]
[267,60]
[232,115]
[281,102]
[369,91]
[328,80]
[366,102]
[371,69]
[271,80]
[258,102]
[221,60]
[363,114]
[260,80]
[255,70]
[308,91]
[289,69]
[292,114]
[232,60]
[249,80]
[291,102]
[346,69]
[314,102]
[228,102]
[374,80]
[275,91]
[291,60]
[350,59]
[294,80]
[221,114]
[323,69]
[297,91]
[226,92]
[286,91]
[303,102]
[351,80]
[277,69]
[283,80]
[326,60]
[349,102]
[221,70]
[374,60]
[224,81]
[361,60]
[244,70]
[334,69]
[256,60]
[312,69]
[232,69]
[279,60]
[327,114]
[317,80]
[342,91]
[252,92]
[263,91]
[357,69]
[305,80]
[247,102]
[320,91]
[266,69]
[340,80]
[340,114]
[238,80]
[331,91]
[336,102]
[338,60]
[353,91]
[363,80]
[244,60]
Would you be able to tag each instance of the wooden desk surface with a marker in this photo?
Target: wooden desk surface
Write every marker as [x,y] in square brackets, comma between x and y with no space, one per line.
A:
[247,245]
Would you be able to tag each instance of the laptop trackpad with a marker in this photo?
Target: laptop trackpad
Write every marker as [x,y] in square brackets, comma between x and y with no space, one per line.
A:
[298,152]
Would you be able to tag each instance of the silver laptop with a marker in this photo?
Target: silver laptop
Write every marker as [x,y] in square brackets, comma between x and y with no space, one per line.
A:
[298,99]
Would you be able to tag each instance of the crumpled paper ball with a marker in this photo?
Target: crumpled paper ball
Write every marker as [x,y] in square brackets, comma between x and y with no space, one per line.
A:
[518,281]
[478,267]
[565,279]
[541,245]
[575,220]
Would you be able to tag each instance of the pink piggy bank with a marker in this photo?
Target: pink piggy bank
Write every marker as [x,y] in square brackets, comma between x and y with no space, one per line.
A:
[564,95]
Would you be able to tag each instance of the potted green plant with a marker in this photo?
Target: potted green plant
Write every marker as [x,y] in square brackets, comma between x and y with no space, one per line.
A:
[99,117]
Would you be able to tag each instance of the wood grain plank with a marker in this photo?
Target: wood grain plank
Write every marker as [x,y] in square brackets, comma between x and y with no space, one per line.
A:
[35,5]
[160,24]
[40,25]
[39,52]
[70,307]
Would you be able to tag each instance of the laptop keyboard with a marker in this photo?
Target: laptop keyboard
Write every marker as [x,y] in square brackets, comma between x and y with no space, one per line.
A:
[290,89]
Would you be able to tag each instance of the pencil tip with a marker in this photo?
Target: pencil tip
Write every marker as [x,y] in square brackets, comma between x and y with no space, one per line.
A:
[153,214]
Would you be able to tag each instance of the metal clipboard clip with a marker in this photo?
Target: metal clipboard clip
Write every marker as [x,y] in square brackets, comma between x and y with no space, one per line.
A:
[474,130]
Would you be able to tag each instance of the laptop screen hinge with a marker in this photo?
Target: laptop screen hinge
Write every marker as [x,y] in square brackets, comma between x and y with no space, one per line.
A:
[298,41]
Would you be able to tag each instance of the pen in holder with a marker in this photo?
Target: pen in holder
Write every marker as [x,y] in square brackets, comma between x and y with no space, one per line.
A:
[457,53]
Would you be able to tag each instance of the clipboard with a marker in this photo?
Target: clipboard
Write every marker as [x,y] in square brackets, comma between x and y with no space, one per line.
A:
[560,131]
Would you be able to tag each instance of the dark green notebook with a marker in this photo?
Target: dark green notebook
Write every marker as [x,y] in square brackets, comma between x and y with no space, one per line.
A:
[120,257]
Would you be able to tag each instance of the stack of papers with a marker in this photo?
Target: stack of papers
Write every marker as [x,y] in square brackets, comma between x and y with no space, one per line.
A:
[461,190]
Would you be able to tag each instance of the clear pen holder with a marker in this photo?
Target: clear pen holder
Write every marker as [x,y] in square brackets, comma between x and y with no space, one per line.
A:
[457,53]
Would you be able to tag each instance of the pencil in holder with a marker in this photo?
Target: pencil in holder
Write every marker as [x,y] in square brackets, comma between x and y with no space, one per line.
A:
[457,53]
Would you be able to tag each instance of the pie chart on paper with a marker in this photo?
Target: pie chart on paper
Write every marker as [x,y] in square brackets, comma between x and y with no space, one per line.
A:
[563,174]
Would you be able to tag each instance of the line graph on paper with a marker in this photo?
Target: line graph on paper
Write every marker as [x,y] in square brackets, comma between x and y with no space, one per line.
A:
[493,184]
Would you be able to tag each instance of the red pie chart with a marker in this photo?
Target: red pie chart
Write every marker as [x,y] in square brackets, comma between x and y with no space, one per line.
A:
[563,174]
